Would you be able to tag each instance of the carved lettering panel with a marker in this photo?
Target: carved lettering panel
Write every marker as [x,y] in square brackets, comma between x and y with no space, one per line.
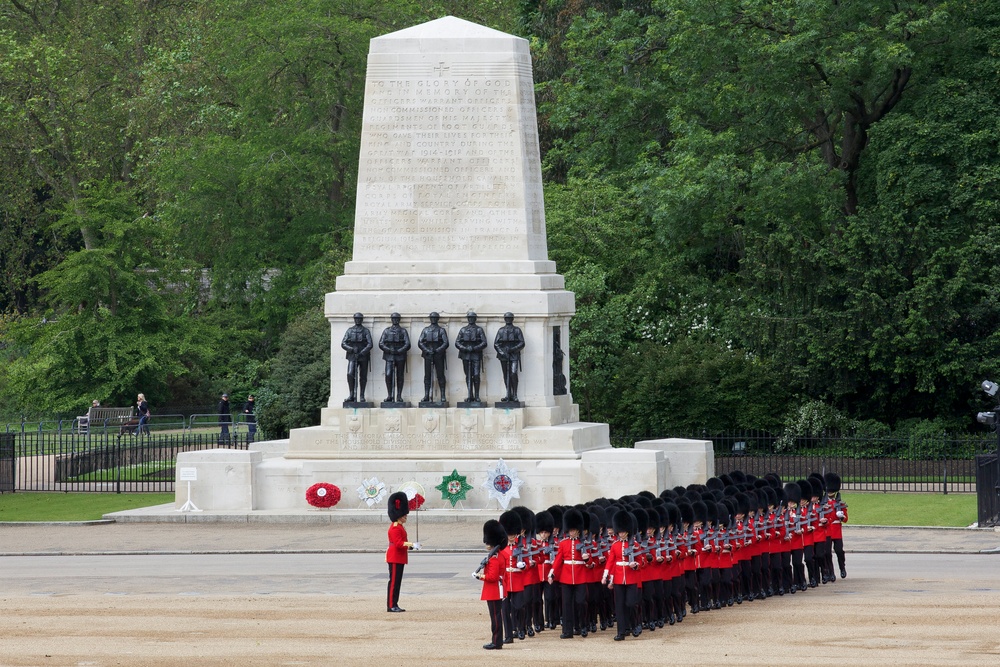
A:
[449,164]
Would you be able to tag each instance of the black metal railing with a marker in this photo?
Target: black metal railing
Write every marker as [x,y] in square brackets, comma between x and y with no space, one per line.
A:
[7,461]
[988,482]
[49,460]
[941,464]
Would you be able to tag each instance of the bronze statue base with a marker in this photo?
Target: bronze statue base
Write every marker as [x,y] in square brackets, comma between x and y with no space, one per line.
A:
[358,404]
[394,404]
[432,404]
[471,404]
[508,405]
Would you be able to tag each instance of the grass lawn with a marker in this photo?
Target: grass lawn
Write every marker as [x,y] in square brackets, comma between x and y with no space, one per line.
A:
[73,506]
[866,509]
[911,509]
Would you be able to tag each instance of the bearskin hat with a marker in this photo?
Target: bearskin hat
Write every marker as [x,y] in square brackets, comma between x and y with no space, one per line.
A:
[714,483]
[679,491]
[721,514]
[494,534]
[700,511]
[399,506]
[739,477]
[792,492]
[818,487]
[572,520]
[527,519]
[641,520]
[511,522]
[673,515]
[647,494]
[593,523]
[661,512]
[668,494]
[544,522]
[623,522]
[602,516]
[710,513]
[770,496]
[742,503]
[832,480]
[687,512]
[774,480]
[805,488]
[557,512]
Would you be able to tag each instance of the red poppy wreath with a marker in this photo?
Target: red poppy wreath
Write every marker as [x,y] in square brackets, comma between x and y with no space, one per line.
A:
[323,495]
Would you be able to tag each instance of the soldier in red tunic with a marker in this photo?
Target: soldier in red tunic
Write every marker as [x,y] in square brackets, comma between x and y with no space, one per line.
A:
[836,529]
[396,555]
[569,569]
[491,572]
[620,574]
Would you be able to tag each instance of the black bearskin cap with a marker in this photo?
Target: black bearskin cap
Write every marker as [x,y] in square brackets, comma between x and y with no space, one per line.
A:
[527,519]
[805,488]
[511,522]
[793,494]
[832,480]
[623,522]
[673,515]
[641,520]
[494,534]
[721,514]
[572,520]
[399,506]
[544,522]
[818,487]
[687,512]
[715,483]
[557,512]
[700,511]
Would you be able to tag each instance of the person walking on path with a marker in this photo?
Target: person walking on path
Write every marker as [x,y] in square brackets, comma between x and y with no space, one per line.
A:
[250,417]
[143,407]
[225,418]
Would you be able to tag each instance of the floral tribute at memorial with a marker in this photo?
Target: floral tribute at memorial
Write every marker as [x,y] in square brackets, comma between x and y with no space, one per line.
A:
[502,483]
[453,487]
[371,491]
[323,495]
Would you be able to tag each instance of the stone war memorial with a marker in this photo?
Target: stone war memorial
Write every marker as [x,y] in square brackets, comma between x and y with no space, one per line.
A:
[450,328]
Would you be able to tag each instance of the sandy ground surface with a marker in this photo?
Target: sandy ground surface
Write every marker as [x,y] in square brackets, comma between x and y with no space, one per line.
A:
[866,624]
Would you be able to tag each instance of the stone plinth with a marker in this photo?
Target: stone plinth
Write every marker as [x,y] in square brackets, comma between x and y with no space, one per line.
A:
[691,461]
[225,479]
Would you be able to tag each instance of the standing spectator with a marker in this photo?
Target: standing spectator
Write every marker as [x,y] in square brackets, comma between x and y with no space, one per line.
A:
[143,408]
[251,418]
[225,417]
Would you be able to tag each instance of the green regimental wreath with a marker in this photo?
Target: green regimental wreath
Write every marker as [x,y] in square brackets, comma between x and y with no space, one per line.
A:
[453,487]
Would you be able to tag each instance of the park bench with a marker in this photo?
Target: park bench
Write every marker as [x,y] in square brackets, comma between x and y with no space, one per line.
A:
[113,417]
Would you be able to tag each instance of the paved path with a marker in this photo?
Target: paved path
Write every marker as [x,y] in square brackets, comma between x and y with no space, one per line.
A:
[276,537]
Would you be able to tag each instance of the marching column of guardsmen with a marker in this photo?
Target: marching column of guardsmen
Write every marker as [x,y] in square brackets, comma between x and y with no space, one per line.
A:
[642,562]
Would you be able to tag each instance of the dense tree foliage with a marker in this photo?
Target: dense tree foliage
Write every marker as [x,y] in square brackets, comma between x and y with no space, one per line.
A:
[821,183]
[763,207]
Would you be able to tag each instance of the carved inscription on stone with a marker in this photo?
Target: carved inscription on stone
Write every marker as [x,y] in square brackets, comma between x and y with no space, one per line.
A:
[445,141]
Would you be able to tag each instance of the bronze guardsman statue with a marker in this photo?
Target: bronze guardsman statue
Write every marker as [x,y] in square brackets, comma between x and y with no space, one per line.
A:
[358,344]
[433,342]
[471,342]
[394,343]
[508,344]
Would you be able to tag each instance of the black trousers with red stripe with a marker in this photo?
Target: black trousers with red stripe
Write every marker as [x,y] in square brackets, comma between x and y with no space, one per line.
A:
[496,621]
[392,590]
